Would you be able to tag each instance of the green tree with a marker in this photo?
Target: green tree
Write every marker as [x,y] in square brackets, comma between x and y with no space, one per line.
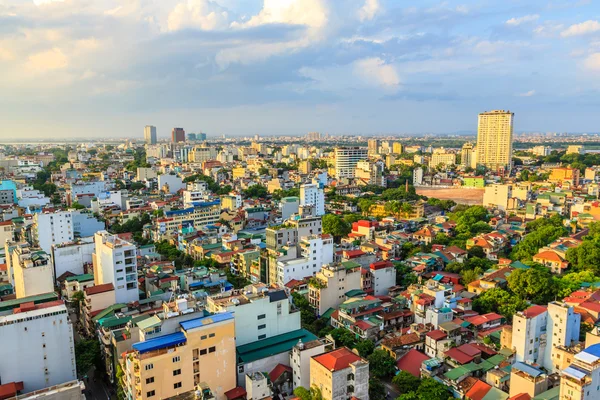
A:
[500,301]
[343,337]
[314,393]
[87,355]
[365,347]
[77,299]
[75,205]
[406,382]
[256,192]
[376,390]
[534,284]
[335,226]
[381,364]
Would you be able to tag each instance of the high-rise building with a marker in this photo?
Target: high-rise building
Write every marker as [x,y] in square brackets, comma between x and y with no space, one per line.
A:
[468,156]
[38,345]
[177,135]
[115,262]
[201,136]
[373,146]
[312,194]
[346,159]
[495,139]
[192,137]
[397,148]
[150,134]
[52,228]
[370,173]
[313,136]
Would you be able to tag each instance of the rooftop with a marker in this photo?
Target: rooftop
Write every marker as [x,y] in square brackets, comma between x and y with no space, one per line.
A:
[337,359]
[274,345]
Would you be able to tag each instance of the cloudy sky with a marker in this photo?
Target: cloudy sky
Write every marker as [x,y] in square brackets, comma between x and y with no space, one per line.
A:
[102,68]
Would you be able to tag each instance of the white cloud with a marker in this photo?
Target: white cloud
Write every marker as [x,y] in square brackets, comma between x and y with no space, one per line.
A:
[312,13]
[584,28]
[522,20]
[374,70]
[527,94]
[47,60]
[368,10]
[44,2]
[592,62]
[199,14]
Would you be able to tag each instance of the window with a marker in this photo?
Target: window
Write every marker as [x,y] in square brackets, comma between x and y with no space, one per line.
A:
[150,393]
[177,385]
[212,349]
[211,335]
[176,359]
[261,316]
[261,337]
[177,372]
[203,352]
[263,326]
[149,367]
[203,337]
[149,380]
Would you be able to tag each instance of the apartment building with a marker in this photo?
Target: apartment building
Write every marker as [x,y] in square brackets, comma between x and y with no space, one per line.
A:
[201,352]
[495,139]
[312,194]
[346,159]
[38,345]
[315,251]
[52,228]
[581,380]
[259,313]
[383,277]
[340,374]
[300,357]
[33,272]
[327,289]
[115,262]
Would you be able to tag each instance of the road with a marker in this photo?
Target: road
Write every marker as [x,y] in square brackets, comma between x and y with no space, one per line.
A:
[97,390]
[391,389]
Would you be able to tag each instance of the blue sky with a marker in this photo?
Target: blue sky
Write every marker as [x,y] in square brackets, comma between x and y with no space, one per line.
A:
[101,68]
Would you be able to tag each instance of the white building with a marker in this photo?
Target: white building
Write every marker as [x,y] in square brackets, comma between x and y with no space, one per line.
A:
[311,194]
[384,277]
[85,224]
[538,330]
[418,176]
[33,272]
[581,380]
[173,182]
[72,256]
[87,188]
[259,313]
[331,283]
[38,346]
[300,360]
[115,262]
[32,198]
[315,251]
[497,196]
[346,159]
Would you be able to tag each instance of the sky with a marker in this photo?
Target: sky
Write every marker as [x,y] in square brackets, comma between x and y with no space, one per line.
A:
[106,68]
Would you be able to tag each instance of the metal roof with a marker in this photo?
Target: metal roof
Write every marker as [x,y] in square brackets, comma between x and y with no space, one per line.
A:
[528,369]
[173,339]
[204,321]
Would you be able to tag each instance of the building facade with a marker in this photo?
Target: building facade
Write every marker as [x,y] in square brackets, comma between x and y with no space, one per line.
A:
[495,139]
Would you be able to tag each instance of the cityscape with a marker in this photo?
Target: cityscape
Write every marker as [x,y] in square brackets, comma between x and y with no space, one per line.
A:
[299,200]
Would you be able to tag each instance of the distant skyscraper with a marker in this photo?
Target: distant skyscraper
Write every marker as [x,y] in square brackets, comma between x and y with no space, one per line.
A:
[373,145]
[201,136]
[495,139]
[346,159]
[192,136]
[177,135]
[313,136]
[467,155]
[150,134]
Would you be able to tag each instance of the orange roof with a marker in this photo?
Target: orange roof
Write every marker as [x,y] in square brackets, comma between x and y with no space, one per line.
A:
[107,287]
[520,396]
[337,359]
[534,311]
[478,390]
[549,255]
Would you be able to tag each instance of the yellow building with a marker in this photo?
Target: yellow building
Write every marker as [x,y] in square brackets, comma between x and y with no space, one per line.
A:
[495,139]
[340,374]
[201,352]
[440,156]
[239,172]
[562,175]
[418,211]
[397,148]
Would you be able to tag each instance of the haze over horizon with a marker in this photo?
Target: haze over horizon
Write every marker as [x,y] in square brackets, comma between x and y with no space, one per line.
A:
[106,68]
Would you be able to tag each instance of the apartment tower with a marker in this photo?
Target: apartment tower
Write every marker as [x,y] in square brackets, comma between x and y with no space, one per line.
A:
[495,139]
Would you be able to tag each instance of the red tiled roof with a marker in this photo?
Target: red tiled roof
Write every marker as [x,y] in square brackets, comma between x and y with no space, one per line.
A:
[381,265]
[235,393]
[459,356]
[534,311]
[521,396]
[337,359]
[106,287]
[278,371]
[482,319]
[437,334]
[411,362]
[469,350]
[478,390]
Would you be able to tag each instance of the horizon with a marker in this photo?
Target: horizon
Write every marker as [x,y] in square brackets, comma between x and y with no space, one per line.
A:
[106,68]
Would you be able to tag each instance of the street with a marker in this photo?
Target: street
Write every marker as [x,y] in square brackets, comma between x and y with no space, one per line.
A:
[391,389]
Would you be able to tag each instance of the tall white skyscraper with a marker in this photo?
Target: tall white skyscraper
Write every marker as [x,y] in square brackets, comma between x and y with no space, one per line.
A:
[346,159]
[150,134]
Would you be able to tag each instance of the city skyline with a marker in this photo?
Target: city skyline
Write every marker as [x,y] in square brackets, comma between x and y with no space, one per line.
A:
[227,67]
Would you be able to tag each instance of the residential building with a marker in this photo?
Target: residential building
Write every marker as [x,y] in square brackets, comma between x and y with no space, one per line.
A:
[38,347]
[201,352]
[340,374]
[313,251]
[565,175]
[33,272]
[383,277]
[581,380]
[346,159]
[525,378]
[329,286]
[202,153]
[497,196]
[259,313]
[495,139]
[300,357]
[442,157]
[150,134]
[312,194]
[373,146]
[468,155]
[52,228]
[370,173]
[115,262]
[72,256]
[177,135]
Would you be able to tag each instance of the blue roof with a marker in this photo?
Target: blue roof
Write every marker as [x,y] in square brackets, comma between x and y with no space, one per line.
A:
[204,321]
[593,350]
[528,369]
[574,372]
[173,339]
